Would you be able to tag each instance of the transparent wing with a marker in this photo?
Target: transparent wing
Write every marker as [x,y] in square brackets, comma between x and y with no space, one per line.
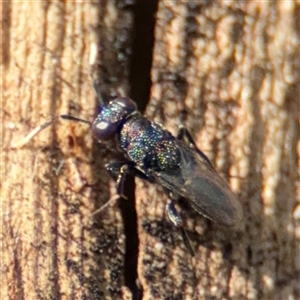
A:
[197,181]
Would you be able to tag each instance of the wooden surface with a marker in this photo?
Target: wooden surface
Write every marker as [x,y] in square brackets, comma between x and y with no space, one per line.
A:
[228,71]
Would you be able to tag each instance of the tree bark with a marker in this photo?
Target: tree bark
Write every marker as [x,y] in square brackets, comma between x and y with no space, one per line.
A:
[233,68]
[228,71]
[52,247]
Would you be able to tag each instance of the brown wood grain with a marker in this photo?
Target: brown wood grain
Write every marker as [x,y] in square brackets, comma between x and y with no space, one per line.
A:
[52,247]
[229,71]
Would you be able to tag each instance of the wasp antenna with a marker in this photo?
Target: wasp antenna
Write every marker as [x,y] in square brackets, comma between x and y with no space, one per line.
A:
[97,90]
[72,118]
[21,143]
[92,62]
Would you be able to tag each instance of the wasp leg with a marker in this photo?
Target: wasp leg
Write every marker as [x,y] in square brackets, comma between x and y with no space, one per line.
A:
[119,170]
[183,133]
[176,219]
[173,215]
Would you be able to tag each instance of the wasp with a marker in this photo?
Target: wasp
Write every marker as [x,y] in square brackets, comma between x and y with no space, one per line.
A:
[153,154]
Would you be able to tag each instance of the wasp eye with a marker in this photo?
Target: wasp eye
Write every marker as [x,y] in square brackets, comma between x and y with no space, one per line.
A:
[126,103]
[103,130]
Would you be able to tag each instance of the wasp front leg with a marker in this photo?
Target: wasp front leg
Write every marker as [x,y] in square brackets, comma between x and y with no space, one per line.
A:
[119,170]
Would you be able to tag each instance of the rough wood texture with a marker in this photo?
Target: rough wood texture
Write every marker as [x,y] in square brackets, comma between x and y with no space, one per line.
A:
[233,68]
[229,71]
[53,248]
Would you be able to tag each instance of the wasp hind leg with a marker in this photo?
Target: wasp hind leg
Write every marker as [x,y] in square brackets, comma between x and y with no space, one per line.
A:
[176,219]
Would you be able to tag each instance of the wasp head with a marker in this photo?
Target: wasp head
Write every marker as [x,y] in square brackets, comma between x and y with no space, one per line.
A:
[111,116]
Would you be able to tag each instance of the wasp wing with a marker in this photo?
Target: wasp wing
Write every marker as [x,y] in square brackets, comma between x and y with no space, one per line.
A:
[197,181]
